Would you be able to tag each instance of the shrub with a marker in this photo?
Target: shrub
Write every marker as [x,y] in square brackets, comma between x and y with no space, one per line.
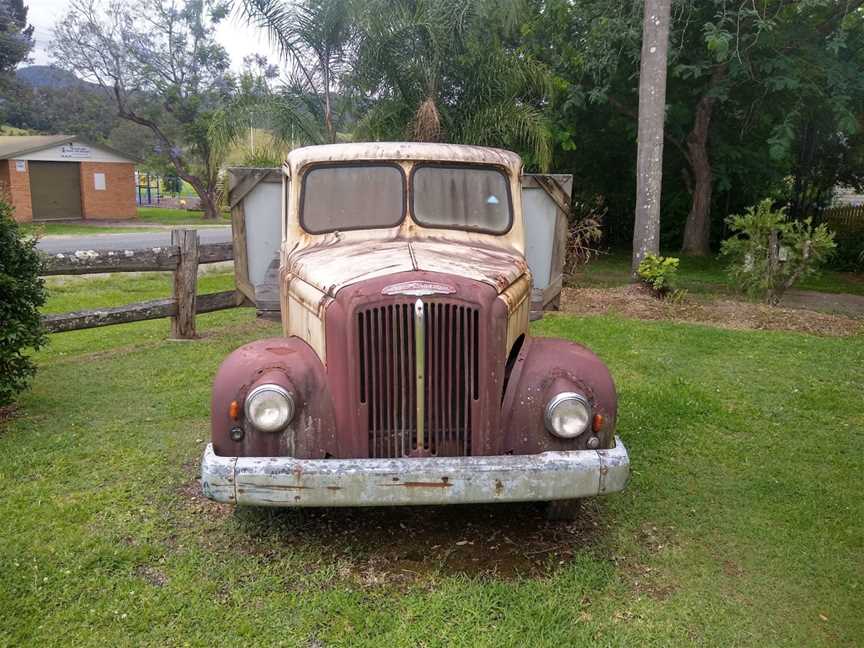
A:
[849,255]
[22,292]
[264,155]
[769,253]
[582,237]
[659,274]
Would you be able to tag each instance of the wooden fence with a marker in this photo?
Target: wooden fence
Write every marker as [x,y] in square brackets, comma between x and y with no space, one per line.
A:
[182,257]
[843,219]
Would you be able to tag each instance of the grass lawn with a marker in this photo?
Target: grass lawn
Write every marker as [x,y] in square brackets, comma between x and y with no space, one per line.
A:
[743,524]
[69,293]
[702,275]
[177,217]
[147,217]
[74,229]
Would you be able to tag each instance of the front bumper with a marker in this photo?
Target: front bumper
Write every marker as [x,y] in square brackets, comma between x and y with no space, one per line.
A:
[286,481]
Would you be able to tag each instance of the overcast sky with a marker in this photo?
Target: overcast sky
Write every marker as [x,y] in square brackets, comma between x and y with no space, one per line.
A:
[238,39]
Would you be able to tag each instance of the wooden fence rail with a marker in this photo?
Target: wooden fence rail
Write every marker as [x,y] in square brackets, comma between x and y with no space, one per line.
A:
[182,258]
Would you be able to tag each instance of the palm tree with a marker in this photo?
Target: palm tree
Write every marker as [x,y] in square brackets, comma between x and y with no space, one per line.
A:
[427,70]
[315,38]
[437,70]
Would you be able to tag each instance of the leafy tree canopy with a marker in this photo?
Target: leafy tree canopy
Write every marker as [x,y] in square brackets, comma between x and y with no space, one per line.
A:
[744,81]
[159,63]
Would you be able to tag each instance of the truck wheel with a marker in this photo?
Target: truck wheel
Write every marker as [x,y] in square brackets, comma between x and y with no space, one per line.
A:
[567,510]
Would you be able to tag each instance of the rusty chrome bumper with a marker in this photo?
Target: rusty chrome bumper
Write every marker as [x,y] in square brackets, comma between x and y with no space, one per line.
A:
[285,481]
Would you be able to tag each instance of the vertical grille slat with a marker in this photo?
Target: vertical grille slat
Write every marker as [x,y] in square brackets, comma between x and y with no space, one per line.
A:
[386,381]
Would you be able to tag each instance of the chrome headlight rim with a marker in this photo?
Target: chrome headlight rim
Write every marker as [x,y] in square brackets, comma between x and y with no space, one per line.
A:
[557,400]
[269,387]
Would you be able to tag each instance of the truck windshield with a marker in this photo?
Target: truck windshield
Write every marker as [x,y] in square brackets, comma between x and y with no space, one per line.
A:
[352,196]
[463,197]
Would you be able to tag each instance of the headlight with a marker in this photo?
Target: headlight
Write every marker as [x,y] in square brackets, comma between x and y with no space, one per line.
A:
[568,415]
[269,408]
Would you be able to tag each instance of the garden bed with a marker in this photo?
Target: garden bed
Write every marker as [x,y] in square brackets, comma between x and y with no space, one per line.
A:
[633,301]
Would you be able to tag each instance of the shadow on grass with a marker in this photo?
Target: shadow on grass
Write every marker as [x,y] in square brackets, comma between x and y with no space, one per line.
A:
[502,540]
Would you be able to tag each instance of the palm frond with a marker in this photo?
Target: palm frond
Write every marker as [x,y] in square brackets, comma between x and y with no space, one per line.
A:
[510,125]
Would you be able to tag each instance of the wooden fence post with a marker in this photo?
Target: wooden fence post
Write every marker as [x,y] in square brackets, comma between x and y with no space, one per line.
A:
[185,284]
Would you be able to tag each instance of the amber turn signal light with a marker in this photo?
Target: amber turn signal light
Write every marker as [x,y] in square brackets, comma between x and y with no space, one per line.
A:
[597,424]
[234,410]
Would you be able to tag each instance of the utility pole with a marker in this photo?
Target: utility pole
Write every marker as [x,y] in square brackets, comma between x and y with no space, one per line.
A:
[652,113]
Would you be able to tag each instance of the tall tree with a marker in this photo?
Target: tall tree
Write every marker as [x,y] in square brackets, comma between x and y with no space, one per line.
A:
[16,36]
[16,41]
[159,63]
[652,115]
[315,37]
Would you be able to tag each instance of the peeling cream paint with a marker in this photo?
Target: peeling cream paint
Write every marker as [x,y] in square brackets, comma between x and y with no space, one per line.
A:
[317,266]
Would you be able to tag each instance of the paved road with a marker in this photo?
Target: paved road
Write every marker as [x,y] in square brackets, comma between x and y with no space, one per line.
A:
[132,240]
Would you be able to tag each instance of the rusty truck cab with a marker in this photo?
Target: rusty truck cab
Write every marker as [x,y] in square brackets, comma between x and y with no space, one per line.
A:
[405,373]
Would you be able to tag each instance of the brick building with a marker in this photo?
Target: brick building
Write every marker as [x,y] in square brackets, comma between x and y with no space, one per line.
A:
[59,177]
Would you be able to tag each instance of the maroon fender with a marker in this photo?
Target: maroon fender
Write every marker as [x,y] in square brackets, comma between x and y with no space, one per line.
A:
[293,365]
[545,367]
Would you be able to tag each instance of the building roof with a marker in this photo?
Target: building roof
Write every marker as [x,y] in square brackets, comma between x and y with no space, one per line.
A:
[403,151]
[12,146]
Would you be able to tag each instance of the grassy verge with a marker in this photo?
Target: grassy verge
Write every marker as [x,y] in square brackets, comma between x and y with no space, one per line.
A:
[70,293]
[177,217]
[701,275]
[742,524]
[146,216]
[73,229]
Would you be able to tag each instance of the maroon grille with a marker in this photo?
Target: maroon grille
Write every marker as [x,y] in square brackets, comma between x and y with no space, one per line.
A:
[387,378]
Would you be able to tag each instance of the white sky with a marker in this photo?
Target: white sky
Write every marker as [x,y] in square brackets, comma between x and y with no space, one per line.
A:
[238,39]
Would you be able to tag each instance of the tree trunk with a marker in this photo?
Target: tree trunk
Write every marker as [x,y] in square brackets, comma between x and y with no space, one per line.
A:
[697,230]
[328,108]
[210,204]
[207,194]
[652,113]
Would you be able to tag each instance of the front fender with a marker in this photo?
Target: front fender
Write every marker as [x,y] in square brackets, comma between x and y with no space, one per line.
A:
[544,367]
[292,364]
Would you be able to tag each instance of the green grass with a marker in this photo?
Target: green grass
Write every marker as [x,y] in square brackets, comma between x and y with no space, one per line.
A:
[78,293]
[741,526]
[146,216]
[701,275]
[177,217]
[74,229]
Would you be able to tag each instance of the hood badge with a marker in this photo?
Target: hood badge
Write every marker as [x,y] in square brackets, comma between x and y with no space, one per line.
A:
[418,289]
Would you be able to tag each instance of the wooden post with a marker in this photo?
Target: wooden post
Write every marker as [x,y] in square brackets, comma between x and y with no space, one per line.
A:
[185,284]
[773,253]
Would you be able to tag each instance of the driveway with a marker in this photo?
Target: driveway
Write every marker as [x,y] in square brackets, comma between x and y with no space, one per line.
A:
[842,303]
[132,240]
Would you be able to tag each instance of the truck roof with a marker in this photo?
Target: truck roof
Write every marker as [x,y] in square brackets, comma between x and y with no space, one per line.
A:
[424,151]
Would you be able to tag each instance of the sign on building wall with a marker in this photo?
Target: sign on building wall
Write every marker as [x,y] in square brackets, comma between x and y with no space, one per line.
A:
[99,181]
[20,165]
[75,151]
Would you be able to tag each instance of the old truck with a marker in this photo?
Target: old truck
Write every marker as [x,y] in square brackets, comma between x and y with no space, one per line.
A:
[406,373]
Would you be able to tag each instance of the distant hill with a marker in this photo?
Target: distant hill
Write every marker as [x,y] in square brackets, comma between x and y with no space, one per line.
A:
[48,76]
